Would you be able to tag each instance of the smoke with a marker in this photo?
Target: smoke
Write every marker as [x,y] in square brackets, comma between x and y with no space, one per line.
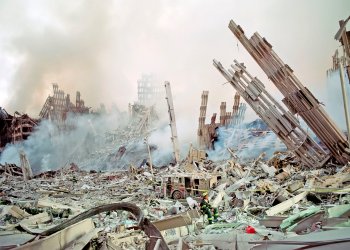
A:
[93,141]
[50,147]
[247,141]
[102,48]
[63,46]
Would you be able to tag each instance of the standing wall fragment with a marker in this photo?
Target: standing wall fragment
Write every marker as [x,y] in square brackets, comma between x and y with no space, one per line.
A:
[298,99]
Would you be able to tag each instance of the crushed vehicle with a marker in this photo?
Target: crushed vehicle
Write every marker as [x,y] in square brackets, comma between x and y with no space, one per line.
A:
[185,185]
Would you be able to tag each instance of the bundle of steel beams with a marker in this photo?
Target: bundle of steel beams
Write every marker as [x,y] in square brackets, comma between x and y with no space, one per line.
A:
[298,99]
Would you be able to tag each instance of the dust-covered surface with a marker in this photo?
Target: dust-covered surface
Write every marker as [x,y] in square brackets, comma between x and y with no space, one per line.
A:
[258,194]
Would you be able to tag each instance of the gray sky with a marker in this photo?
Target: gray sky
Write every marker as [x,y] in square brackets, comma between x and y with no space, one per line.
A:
[102,47]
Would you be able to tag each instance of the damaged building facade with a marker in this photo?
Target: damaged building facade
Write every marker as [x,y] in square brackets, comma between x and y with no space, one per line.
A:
[57,106]
[15,128]
[207,133]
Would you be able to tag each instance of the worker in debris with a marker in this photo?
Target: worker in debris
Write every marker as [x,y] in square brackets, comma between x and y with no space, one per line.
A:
[208,210]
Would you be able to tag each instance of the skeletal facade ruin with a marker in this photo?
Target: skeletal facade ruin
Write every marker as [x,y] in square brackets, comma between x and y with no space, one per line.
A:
[282,122]
[298,99]
[57,107]
[148,91]
[15,128]
[207,133]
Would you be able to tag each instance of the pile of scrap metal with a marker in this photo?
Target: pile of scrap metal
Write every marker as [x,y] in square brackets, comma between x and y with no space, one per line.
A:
[15,128]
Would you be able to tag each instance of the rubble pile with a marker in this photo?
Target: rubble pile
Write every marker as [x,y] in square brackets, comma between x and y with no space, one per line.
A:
[258,201]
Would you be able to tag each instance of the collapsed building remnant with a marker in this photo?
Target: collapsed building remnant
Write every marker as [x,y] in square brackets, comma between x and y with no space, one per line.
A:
[174,140]
[207,133]
[57,107]
[142,118]
[22,127]
[148,91]
[298,99]
[15,128]
[5,128]
[18,127]
[284,124]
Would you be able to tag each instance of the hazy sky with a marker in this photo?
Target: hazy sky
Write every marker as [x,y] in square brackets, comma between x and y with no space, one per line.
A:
[101,48]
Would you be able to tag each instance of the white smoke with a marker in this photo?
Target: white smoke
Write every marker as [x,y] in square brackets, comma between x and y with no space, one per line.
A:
[92,141]
[245,142]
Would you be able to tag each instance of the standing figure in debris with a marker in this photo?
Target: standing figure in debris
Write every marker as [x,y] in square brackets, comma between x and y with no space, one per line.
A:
[207,209]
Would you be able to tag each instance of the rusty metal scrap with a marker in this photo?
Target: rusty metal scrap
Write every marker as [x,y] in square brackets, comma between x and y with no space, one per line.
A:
[298,98]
